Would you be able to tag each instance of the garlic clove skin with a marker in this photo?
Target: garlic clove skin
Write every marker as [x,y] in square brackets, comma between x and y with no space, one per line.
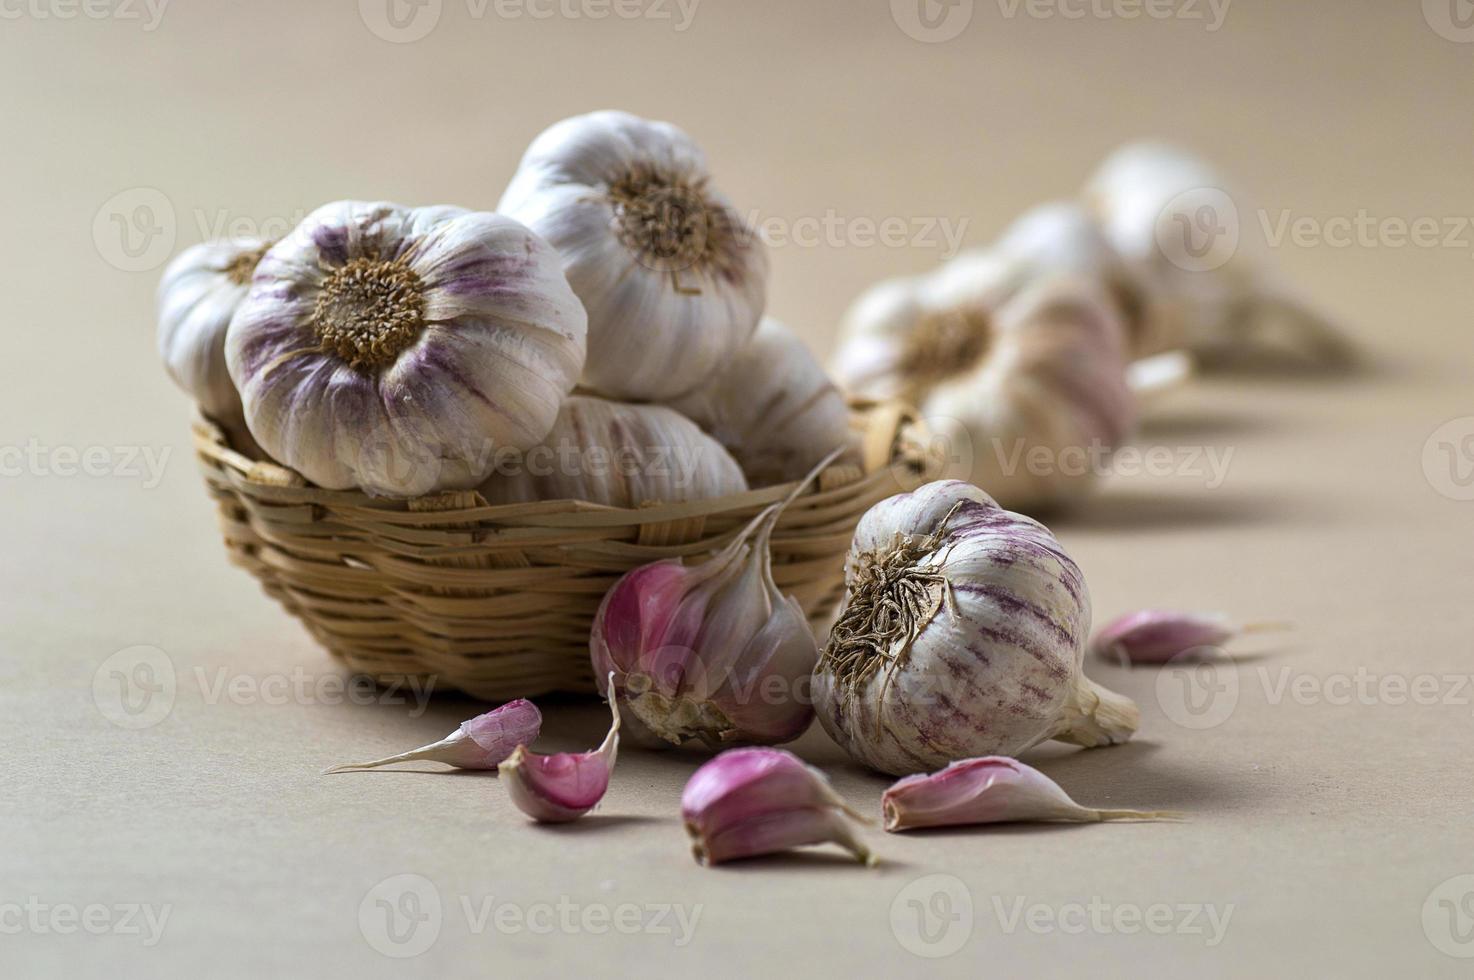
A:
[673,281]
[562,787]
[198,294]
[752,802]
[994,789]
[618,455]
[962,635]
[774,408]
[482,742]
[1159,636]
[397,349]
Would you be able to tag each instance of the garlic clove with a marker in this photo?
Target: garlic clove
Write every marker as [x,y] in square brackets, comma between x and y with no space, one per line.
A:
[479,743]
[994,789]
[1158,636]
[756,801]
[564,786]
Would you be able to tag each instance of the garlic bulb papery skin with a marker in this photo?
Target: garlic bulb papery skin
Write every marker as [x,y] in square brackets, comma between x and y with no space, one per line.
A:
[750,802]
[774,408]
[962,635]
[990,790]
[198,294]
[1187,238]
[562,787]
[399,349]
[673,280]
[482,742]
[618,455]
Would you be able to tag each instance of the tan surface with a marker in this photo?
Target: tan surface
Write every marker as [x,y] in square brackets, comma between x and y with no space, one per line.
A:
[1325,826]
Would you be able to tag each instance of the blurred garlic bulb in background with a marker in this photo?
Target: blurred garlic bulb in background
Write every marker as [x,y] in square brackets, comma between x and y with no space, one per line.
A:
[673,281]
[198,294]
[397,349]
[1186,238]
[774,408]
[618,455]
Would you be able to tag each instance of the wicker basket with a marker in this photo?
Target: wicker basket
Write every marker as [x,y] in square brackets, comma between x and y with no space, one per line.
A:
[498,601]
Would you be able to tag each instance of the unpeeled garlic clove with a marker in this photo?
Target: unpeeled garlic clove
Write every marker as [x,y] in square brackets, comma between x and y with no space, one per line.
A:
[994,789]
[1157,636]
[482,742]
[564,786]
[750,802]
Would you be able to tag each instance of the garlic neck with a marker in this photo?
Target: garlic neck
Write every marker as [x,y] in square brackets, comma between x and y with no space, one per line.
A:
[369,311]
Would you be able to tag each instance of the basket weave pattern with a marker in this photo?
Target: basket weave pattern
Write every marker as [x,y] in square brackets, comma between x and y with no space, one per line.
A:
[498,601]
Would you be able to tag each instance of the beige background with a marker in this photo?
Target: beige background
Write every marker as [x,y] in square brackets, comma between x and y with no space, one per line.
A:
[1326,827]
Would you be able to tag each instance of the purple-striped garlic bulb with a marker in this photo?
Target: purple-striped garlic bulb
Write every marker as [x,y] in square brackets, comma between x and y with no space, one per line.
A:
[401,349]
[962,634]
[673,280]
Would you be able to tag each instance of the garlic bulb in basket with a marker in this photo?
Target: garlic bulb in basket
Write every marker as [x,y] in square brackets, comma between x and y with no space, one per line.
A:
[1031,391]
[673,281]
[773,407]
[1177,226]
[399,349]
[198,294]
[962,635]
[618,455]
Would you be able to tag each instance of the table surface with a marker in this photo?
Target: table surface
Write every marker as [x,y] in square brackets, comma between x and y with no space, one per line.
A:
[1328,797]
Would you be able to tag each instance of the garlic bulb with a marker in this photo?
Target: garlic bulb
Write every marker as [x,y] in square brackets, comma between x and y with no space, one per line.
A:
[1031,390]
[198,294]
[673,281]
[962,635]
[618,455]
[774,408]
[1176,225]
[399,349]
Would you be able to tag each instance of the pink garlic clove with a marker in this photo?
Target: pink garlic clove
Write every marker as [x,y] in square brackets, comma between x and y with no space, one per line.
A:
[994,789]
[1157,636]
[564,786]
[755,801]
[482,742]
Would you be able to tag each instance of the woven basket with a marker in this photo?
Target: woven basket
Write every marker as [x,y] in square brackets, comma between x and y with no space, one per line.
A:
[498,601]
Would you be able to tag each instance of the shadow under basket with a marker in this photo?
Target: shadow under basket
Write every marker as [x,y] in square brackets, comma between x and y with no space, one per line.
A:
[498,601]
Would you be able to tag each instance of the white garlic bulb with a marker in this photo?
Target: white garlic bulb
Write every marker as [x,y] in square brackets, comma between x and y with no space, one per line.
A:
[619,455]
[399,349]
[962,635]
[198,294]
[1183,233]
[774,408]
[673,281]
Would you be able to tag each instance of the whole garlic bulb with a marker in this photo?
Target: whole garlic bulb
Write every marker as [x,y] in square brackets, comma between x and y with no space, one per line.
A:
[198,294]
[1031,388]
[673,281]
[962,634]
[618,455]
[774,408]
[398,349]
[1176,224]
